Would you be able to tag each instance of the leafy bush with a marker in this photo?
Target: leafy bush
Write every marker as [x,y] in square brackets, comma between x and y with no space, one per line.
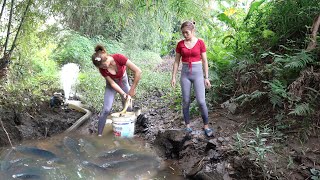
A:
[74,48]
[37,77]
[91,88]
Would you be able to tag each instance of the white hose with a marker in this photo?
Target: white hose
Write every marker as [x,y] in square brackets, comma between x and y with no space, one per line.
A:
[76,106]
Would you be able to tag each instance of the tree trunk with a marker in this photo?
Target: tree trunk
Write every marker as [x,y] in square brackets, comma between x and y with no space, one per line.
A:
[2,8]
[8,31]
[314,30]
[19,28]
[4,61]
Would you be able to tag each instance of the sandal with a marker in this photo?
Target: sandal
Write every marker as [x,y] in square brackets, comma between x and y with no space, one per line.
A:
[188,130]
[208,132]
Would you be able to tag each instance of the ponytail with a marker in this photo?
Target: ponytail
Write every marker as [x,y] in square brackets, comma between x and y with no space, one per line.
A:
[99,56]
[100,49]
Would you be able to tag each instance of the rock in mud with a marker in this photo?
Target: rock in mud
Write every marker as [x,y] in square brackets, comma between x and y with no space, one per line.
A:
[171,142]
[202,175]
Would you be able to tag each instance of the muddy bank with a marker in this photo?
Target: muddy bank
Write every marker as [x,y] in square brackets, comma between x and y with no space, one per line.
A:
[34,124]
[243,147]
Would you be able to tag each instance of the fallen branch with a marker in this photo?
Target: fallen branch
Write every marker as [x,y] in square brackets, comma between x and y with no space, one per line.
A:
[314,30]
[4,129]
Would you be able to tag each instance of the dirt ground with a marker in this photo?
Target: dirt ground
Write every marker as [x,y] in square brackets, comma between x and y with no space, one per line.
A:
[34,124]
[239,149]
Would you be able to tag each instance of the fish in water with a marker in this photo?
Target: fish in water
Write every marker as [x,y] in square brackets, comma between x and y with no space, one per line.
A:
[26,176]
[5,164]
[143,171]
[87,147]
[34,151]
[95,167]
[115,154]
[28,173]
[22,162]
[99,171]
[137,161]
[72,145]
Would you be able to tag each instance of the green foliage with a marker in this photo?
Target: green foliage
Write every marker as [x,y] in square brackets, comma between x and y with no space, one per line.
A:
[146,59]
[224,18]
[136,23]
[37,77]
[267,25]
[296,62]
[153,80]
[290,19]
[239,144]
[74,48]
[254,7]
[257,143]
[277,92]
[91,88]
[284,70]
[303,109]
[32,76]
[245,98]
[111,46]
[240,32]
[221,86]
[174,98]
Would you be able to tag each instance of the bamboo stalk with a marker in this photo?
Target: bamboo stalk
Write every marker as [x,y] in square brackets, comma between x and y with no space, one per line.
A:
[8,31]
[19,28]
[2,8]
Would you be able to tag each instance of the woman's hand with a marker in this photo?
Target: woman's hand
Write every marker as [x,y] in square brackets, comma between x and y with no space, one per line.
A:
[137,76]
[173,82]
[126,96]
[207,83]
[175,69]
[132,92]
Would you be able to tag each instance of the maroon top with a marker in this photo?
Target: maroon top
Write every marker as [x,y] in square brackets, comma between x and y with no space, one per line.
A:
[193,54]
[121,61]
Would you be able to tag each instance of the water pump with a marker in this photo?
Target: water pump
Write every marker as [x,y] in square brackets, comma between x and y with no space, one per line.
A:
[57,100]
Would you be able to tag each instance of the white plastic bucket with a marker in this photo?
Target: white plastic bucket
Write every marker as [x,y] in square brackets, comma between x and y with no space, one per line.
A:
[123,125]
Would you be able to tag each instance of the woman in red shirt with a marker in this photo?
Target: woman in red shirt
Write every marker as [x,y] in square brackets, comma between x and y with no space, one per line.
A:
[113,68]
[192,52]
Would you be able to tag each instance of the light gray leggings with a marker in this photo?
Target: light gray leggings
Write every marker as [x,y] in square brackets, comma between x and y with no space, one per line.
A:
[109,98]
[188,78]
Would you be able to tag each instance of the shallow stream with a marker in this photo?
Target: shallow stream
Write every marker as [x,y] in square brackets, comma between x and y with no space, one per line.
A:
[75,156]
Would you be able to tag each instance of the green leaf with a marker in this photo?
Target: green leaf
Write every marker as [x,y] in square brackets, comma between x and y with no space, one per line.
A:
[227,37]
[302,109]
[254,6]
[224,18]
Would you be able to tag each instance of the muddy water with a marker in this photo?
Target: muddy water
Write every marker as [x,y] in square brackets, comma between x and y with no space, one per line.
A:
[75,156]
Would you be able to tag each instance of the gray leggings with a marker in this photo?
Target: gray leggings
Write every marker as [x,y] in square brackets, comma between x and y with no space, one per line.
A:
[188,78]
[108,100]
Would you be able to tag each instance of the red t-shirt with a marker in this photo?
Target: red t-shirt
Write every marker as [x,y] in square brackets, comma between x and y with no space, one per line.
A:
[193,54]
[121,61]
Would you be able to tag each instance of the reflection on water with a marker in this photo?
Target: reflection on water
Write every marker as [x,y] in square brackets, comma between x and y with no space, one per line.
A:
[74,156]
